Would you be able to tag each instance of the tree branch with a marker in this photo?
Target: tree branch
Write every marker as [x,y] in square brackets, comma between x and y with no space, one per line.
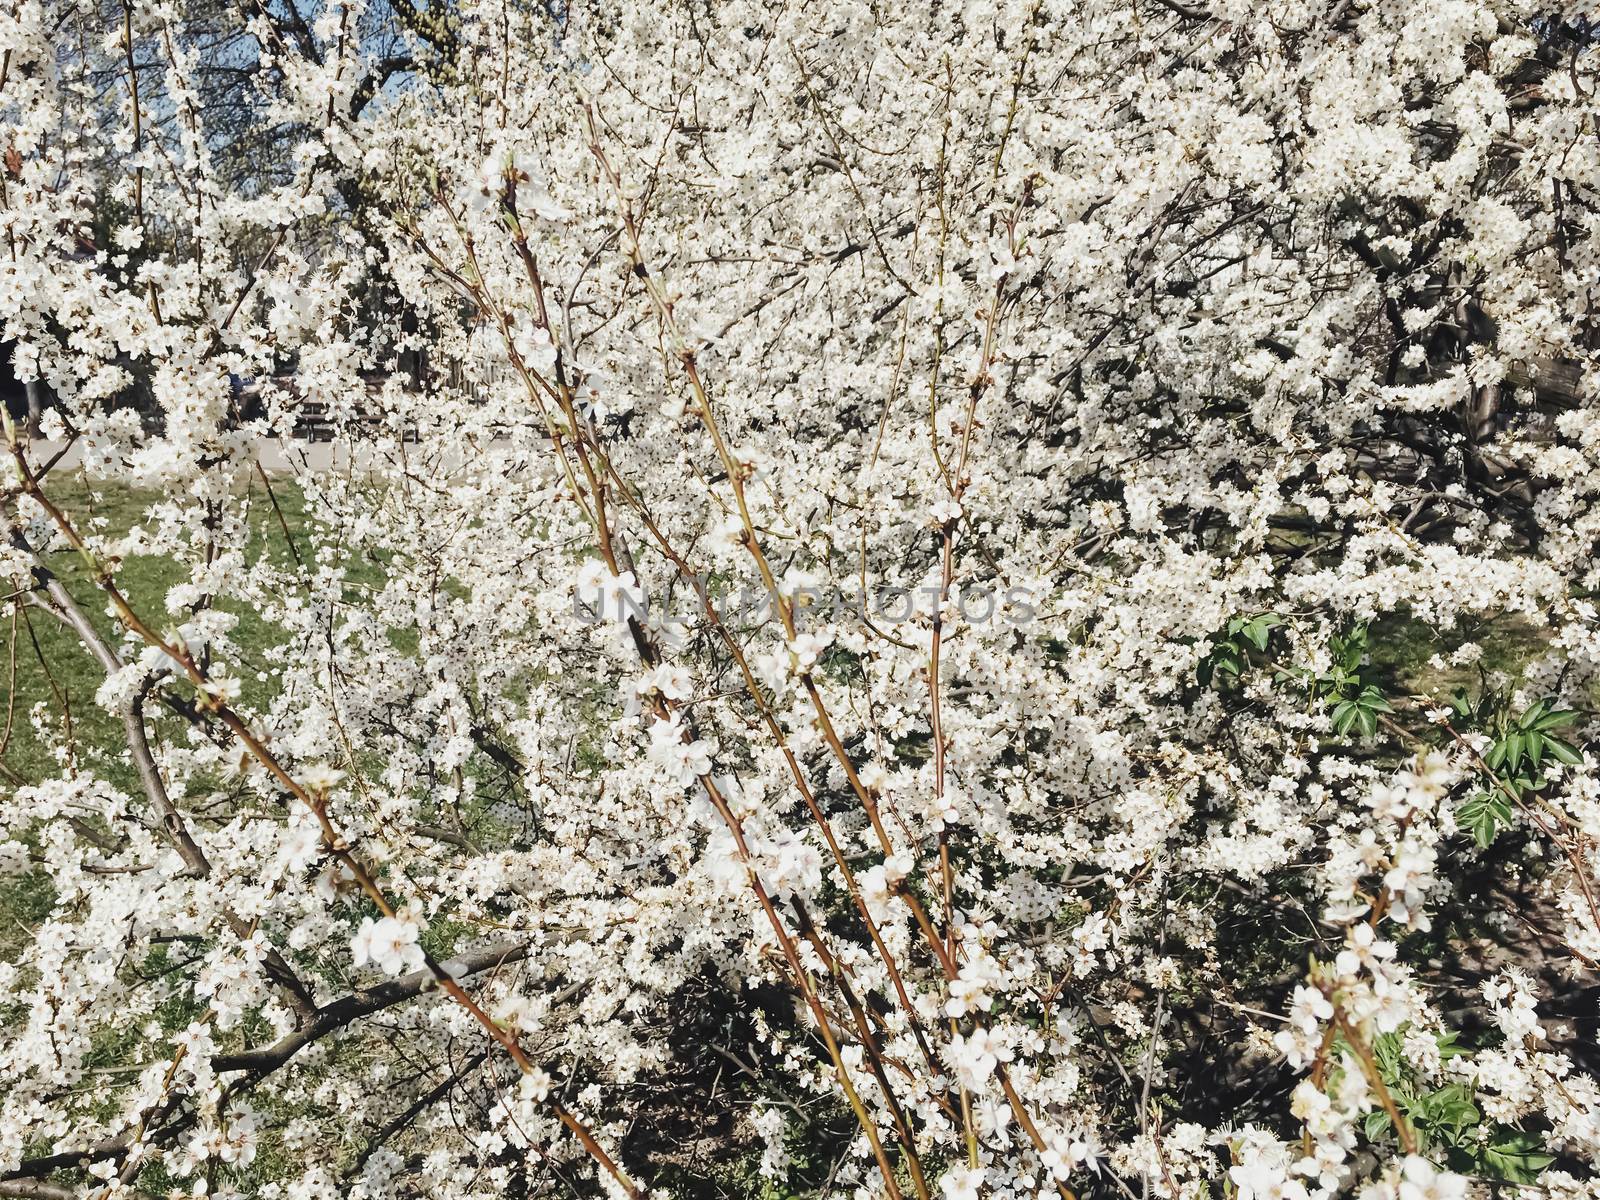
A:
[351,1008]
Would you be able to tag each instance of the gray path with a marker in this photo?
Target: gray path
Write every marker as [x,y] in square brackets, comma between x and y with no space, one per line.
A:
[287,456]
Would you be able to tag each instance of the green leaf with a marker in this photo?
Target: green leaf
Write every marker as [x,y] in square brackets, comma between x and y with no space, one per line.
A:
[1389,1054]
[1563,751]
[1349,650]
[1556,719]
[1448,1112]
[1515,1156]
[1484,815]
[1515,744]
[1259,629]
[1226,658]
[1344,713]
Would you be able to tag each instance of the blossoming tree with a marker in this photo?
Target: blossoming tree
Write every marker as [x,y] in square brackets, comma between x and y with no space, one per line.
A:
[880,668]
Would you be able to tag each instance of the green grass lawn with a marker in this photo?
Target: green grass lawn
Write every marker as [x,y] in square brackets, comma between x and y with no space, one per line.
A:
[1403,650]
[49,721]
[46,665]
